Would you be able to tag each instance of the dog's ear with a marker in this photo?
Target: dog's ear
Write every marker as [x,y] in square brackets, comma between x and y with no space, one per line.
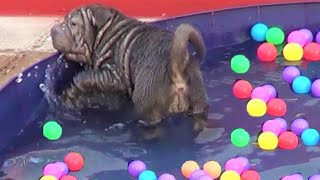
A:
[102,14]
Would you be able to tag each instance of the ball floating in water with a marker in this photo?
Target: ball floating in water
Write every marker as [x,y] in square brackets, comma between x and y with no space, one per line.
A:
[272,126]
[250,175]
[297,37]
[212,168]
[299,125]
[53,170]
[310,137]
[68,177]
[136,167]
[259,31]
[260,93]
[256,108]
[307,34]
[205,177]
[276,107]
[230,175]
[147,175]
[271,90]
[297,176]
[195,175]
[315,88]
[166,177]
[240,137]
[52,130]
[267,52]
[242,89]
[74,161]
[244,162]
[240,64]
[48,177]
[288,140]
[314,177]
[311,52]
[292,52]
[318,37]
[290,73]
[275,36]
[301,85]
[283,124]
[188,167]
[268,141]
[234,165]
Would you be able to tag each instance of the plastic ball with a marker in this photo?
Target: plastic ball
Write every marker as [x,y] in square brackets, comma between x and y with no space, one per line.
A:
[267,52]
[188,167]
[311,52]
[240,64]
[212,168]
[314,177]
[63,168]
[318,37]
[315,88]
[48,177]
[52,130]
[310,137]
[234,165]
[275,36]
[271,90]
[307,34]
[136,167]
[283,124]
[276,107]
[240,137]
[301,85]
[268,141]
[244,162]
[256,108]
[204,177]
[297,176]
[290,73]
[53,170]
[272,126]
[297,37]
[292,52]
[74,161]
[288,140]
[230,175]
[166,177]
[195,175]
[68,177]
[242,89]
[250,175]
[147,175]
[299,125]
[260,93]
[259,31]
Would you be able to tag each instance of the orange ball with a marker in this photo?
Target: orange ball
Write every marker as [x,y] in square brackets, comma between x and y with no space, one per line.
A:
[276,107]
[212,168]
[188,167]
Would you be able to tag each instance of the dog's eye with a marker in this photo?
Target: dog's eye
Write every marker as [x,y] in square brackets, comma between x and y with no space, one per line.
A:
[73,24]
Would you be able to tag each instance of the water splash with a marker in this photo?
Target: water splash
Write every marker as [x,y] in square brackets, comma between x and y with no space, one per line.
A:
[42,87]
[19,78]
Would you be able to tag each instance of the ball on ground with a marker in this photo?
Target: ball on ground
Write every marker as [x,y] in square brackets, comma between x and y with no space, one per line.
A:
[301,85]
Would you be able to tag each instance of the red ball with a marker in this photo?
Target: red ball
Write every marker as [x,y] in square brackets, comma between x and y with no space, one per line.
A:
[288,140]
[311,51]
[250,175]
[68,177]
[276,107]
[242,89]
[74,161]
[267,52]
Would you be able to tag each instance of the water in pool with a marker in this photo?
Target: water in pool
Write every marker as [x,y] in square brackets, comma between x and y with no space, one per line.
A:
[108,147]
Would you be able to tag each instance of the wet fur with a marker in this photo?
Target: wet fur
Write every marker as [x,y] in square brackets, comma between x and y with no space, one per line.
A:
[124,56]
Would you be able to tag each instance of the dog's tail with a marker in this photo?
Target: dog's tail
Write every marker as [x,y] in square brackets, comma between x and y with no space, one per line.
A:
[179,57]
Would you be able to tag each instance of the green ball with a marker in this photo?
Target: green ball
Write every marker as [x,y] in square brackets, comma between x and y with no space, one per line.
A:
[240,137]
[52,130]
[275,36]
[240,64]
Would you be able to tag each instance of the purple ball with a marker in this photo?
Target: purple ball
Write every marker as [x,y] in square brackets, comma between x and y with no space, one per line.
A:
[314,177]
[136,167]
[271,90]
[297,176]
[308,35]
[235,165]
[299,125]
[63,167]
[297,37]
[244,162]
[283,124]
[315,88]
[272,126]
[53,170]
[195,175]
[205,177]
[290,73]
[260,93]
[166,177]
[318,37]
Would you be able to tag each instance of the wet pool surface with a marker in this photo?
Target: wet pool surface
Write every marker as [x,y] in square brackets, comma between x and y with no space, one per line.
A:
[108,149]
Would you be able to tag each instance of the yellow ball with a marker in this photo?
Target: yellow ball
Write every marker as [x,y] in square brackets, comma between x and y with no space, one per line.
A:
[48,177]
[230,175]
[256,107]
[212,168]
[268,141]
[292,52]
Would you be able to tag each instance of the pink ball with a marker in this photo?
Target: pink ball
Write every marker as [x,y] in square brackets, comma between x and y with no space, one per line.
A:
[63,167]
[261,93]
[244,162]
[297,37]
[272,126]
[283,124]
[53,170]
[271,91]
[235,165]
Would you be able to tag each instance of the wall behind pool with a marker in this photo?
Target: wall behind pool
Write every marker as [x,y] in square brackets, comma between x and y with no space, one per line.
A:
[136,8]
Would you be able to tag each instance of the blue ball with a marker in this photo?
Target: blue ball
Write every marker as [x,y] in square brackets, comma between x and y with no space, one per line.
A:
[301,85]
[147,175]
[310,137]
[259,31]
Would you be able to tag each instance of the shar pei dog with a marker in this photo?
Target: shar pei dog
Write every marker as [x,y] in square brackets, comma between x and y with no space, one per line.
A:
[122,55]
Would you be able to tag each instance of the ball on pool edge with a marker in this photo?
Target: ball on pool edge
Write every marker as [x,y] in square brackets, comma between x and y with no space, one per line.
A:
[301,85]
[240,64]
[259,31]
[256,107]
[52,130]
[310,137]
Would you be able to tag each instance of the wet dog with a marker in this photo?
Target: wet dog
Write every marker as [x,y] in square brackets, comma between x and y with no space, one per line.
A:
[123,55]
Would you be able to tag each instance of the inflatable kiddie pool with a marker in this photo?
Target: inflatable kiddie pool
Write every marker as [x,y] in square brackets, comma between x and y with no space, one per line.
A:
[107,148]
